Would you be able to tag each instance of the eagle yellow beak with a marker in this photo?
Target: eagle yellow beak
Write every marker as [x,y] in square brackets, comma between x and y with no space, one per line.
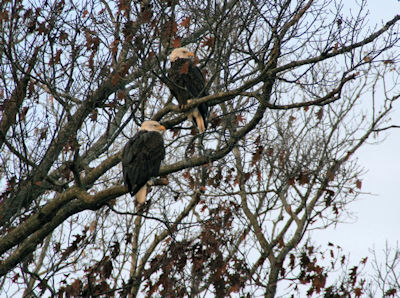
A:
[162,127]
[190,54]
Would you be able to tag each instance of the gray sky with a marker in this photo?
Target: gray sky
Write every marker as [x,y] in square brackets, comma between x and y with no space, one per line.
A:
[377,214]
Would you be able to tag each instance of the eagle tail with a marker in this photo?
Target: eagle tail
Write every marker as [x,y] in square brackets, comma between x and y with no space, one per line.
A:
[199,120]
[141,194]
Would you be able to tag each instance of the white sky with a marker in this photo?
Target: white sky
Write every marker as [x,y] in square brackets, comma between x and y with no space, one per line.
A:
[378,214]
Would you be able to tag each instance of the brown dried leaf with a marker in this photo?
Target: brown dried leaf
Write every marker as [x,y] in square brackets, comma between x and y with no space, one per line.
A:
[209,42]
[304,178]
[235,288]
[3,15]
[106,268]
[318,282]
[319,114]
[43,134]
[292,261]
[330,175]
[93,116]
[176,43]
[146,15]
[358,184]
[57,247]
[23,113]
[336,47]
[186,175]
[240,118]
[121,94]
[389,61]
[57,56]
[63,36]
[391,292]
[281,243]
[257,155]
[115,79]
[42,28]
[74,289]
[93,225]
[259,175]
[114,46]
[185,22]
[367,59]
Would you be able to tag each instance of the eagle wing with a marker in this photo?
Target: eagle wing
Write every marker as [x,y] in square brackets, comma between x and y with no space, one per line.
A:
[187,81]
[141,158]
[196,82]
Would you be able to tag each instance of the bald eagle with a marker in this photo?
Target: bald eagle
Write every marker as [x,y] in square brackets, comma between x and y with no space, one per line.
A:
[141,158]
[185,82]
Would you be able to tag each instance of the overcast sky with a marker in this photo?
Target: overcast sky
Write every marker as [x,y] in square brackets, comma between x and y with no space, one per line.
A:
[378,214]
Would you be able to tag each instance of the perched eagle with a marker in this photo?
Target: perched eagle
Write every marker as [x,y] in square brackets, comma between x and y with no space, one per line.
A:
[141,158]
[185,82]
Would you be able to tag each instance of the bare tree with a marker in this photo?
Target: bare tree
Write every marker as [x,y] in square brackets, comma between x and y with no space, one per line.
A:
[386,278]
[294,93]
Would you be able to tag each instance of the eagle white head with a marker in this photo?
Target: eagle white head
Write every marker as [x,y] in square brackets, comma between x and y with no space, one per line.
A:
[151,125]
[182,53]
